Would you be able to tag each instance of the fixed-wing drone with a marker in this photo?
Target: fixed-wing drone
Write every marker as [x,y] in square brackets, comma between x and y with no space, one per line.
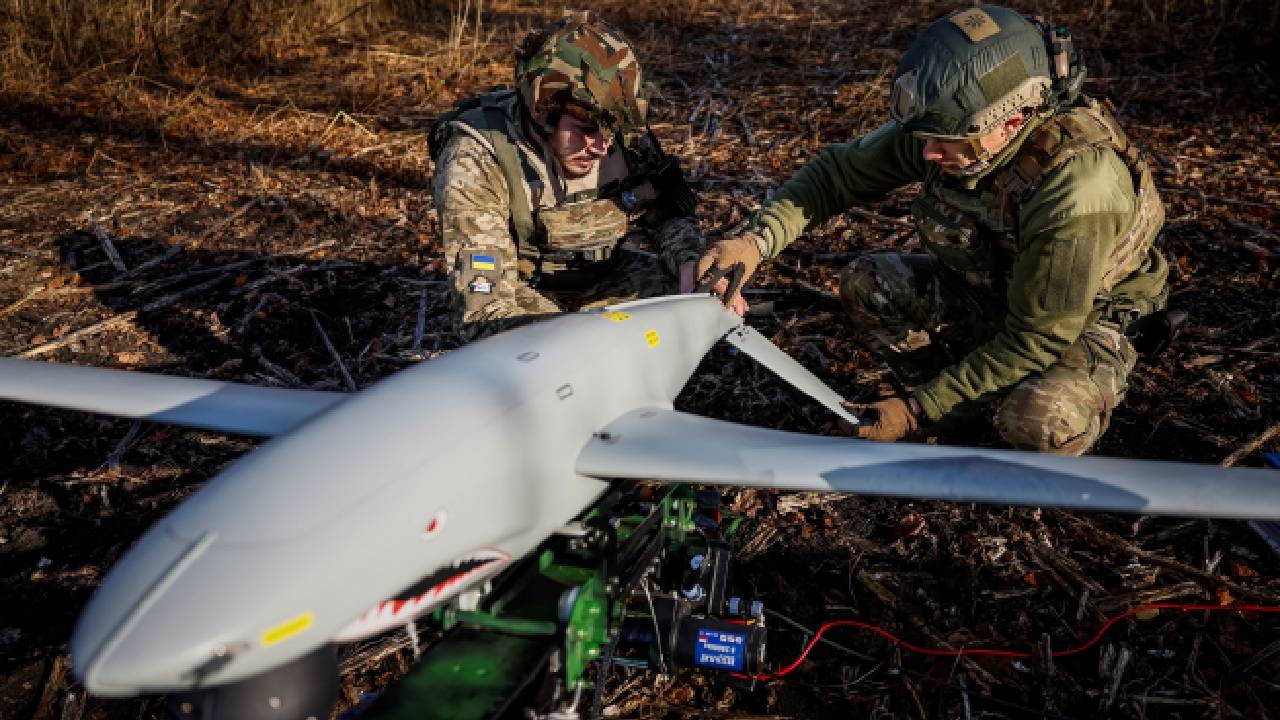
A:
[233,602]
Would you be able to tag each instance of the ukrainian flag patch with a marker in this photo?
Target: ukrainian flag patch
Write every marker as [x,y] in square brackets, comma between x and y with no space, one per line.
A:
[484,262]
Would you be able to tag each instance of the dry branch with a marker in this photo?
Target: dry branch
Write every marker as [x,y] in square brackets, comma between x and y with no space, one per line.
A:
[1209,581]
[178,248]
[333,352]
[1248,448]
[121,319]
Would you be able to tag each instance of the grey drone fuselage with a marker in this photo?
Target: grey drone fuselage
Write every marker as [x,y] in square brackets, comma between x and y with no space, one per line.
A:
[460,463]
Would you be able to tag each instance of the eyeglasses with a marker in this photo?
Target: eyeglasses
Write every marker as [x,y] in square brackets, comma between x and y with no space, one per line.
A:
[591,120]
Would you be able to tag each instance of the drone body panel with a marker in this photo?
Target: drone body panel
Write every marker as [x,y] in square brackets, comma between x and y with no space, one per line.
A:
[303,538]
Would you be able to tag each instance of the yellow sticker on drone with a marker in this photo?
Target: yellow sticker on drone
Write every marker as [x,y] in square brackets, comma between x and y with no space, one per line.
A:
[617,316]
[652,338]
[976,24]
[287,629]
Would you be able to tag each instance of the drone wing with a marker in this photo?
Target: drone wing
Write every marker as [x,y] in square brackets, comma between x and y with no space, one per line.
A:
[660,444]
[762,350]
[208,404]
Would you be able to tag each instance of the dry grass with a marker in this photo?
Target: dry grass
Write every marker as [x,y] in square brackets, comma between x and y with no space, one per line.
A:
[49,41]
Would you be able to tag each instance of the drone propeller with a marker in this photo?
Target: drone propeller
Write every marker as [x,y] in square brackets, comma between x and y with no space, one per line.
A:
[207,404]
[668,445]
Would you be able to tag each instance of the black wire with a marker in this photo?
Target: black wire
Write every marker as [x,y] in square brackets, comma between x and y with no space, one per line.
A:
[605,664]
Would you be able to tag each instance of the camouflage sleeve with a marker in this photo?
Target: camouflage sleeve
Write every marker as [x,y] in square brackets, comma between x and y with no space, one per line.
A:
[678,241]
[471,198]
[1070,227]
[841,176]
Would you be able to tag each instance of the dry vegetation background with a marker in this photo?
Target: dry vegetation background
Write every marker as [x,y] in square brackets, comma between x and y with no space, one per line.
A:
[239,189]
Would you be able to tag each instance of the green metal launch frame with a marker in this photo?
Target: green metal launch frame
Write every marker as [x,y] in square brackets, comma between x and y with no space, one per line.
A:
[530,641]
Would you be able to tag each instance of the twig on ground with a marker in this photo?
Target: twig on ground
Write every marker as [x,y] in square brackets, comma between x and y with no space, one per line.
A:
[333,352]
[880,591]
[1248,448]
[420,328]
[109,248]
[1125,601]
[179,247]
[165,282]
[120,319]
[1117,675]
[52,687]
[287,377]
[23,301]
[113,459]
[1092,532]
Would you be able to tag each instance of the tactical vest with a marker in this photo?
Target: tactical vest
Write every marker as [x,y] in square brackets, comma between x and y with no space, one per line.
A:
[571,241]
[977,236]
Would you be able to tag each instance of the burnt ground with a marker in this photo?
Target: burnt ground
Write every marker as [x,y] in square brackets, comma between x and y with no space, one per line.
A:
[261,211]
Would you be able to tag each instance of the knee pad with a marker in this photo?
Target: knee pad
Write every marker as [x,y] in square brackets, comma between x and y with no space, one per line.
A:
[1045,417]
[859,289]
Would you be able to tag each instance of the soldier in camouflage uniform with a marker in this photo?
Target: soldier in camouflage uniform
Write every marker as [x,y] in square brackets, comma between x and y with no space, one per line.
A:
[1038,217]
[543,191]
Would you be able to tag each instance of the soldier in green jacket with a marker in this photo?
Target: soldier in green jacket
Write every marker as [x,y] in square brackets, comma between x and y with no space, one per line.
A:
[538,187]
[1039,220]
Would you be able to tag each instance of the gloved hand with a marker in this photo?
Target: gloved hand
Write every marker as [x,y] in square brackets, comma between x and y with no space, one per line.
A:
[887,419]
[725,253]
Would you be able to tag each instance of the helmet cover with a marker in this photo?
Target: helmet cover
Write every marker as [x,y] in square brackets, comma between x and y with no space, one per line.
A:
[583,65]
[969,72]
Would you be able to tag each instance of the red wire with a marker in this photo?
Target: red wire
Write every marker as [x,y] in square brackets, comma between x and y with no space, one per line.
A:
[1004,653]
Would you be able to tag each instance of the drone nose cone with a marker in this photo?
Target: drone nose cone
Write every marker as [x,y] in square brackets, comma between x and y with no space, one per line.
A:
[110,655]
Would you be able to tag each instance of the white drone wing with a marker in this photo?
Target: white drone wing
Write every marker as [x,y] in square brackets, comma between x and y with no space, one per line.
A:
[664,444]
[762,350]
[208,404]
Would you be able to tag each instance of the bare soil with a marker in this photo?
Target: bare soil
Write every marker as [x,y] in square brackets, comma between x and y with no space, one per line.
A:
[255,208]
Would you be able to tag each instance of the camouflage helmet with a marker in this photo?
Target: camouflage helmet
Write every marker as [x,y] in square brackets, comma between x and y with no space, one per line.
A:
[584,64]
[970,71]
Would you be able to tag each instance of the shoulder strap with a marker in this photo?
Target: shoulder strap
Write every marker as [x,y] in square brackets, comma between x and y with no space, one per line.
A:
[1064,137]
[1051,145]
[491,122]
[513,170]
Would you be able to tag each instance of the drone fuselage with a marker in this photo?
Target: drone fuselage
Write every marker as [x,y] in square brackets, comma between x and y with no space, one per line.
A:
[446,470]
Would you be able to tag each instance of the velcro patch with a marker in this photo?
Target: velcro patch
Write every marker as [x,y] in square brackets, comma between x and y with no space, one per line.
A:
[483,262]
[480,284]
[1072,271]
[976,24]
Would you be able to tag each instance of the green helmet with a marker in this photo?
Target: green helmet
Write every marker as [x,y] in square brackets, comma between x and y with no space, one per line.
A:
[583,65]
[973,69]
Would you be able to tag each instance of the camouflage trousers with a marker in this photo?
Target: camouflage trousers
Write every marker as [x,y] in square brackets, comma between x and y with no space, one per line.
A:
[919,318]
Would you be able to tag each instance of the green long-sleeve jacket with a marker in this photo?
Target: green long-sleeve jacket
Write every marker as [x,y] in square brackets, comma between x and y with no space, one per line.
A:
[1062,245]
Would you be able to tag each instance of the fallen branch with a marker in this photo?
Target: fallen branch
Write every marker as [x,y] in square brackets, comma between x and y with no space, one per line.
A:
[1126,601]
[1207,580]
[178,248]
[25,299]
[1248,448]
[333,352]
[109,248]
[52,686]
[120,319]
